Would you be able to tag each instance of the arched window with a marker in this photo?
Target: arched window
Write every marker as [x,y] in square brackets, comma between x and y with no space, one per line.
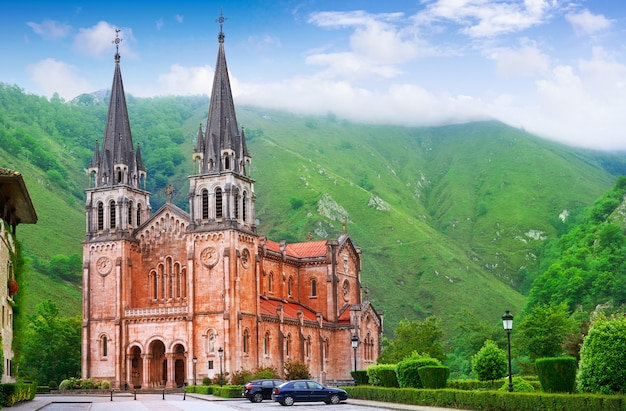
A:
[287,344]
[270,282]
[105,347]
[112,213]
[244,207]
[138,215]
[177,279]
[218,203]
[266,343]
[162,278]
[227,163]
[236,198]
[205,204]
[169,275]
[307,347]
[246,337]
[119,175]
[314,288]
[100,216]
[211,348]
[155,287]
[289,285]
[130,213]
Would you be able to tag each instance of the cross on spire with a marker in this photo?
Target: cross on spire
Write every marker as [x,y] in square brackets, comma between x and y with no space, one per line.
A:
[221,21]
[117,42]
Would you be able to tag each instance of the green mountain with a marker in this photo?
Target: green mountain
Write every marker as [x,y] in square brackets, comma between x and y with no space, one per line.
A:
[447,217]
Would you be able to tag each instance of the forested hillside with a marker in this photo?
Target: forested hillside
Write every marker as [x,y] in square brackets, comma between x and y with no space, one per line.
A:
[448,218]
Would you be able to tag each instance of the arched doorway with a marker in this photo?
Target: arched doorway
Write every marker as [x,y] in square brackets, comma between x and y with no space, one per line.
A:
[158,364]
[179,365]
[136,367]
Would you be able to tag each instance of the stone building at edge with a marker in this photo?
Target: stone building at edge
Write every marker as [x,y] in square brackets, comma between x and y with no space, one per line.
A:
[171,297]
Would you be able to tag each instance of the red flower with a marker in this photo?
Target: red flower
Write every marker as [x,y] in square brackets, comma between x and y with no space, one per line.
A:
[13,287]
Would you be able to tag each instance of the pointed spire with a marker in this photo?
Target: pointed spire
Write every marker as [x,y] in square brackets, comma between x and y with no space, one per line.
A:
[221,136]
[138,159]
[95,160]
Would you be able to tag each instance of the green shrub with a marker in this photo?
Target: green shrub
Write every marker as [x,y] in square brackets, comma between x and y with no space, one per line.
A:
[434,376]
[407,370]
[105,384]
[383,375]
[65,384]
[265,373]
[519,385]
[489,363]
[296,370]
[241,376]
[53,385]
[206,381]
[602,365]
[557,374]
[360,378]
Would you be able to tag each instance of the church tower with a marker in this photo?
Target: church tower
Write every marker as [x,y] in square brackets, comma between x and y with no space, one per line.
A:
[117,203]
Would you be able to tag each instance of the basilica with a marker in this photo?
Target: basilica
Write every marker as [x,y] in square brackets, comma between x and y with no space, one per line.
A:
[173,296]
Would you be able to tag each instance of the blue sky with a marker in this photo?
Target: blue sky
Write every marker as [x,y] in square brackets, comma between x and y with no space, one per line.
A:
[556,68]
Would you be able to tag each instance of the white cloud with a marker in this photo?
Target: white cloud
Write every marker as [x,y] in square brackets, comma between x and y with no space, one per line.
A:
[488,18]
[179,18]
[50,29]
[53,76]
[523,61]
[376,46]
[159,24]
[97,41]
[586,23]
[182,80]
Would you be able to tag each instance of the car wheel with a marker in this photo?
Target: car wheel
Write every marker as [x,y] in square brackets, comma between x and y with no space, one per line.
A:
[334,399]
[258,397]
[288,401]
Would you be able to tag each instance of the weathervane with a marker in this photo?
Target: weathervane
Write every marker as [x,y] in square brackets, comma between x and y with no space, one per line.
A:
[221,21]
[117,42]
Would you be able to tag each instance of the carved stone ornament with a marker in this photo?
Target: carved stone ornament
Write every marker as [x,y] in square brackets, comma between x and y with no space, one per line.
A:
[209,257]
[245,258]
[104,265]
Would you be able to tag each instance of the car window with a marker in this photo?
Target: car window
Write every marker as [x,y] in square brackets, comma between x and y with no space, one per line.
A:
[315,386]
[267,384]
[278,382]
[300,385]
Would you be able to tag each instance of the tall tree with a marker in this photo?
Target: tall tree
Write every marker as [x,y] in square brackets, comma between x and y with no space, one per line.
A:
[51,349]
[423,337]
[543,332]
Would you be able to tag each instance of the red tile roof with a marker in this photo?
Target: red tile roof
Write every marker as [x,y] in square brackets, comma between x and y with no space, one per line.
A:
[345,316]
[301,250]
[290,309]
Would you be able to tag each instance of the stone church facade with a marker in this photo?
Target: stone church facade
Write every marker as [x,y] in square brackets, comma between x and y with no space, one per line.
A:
[171,297]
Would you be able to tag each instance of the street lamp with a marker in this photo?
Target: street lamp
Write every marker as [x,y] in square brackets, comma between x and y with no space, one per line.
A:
[355,343]
[195,360]
[220,352]
[507,323]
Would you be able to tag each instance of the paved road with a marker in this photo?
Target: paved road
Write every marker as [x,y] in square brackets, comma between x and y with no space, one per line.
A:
[190,402]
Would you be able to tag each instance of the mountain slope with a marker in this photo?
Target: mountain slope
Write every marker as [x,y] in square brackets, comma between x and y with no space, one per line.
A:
[447,217]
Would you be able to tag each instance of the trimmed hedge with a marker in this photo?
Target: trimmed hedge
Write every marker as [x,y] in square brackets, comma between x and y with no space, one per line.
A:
[407,370]
[360,377]
[226,391]
[490,400]
[433,376]
[468,385]
[10,394]
[383,375]
[557,374]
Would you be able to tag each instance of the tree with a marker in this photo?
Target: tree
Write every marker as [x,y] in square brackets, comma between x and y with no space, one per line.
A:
[543,332]
[602,365]
[414,336]
[489,363]
[51,349]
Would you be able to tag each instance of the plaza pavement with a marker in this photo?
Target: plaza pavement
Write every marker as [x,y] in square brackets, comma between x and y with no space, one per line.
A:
[162,402]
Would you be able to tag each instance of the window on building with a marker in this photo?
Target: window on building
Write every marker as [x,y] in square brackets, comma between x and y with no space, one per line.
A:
[205,204]
[138,215]
[244,207]
[169,276]
[130,214]
[162,281]
[236,198]
[105,346]
[246,337]
[211,366]
[177,279]
[313,288]
[100,216]
[289,285]
[211,348]
[155,288]
[270,282]
[218,203]
[287,344]
[266,344]
[112,213]
[307,347]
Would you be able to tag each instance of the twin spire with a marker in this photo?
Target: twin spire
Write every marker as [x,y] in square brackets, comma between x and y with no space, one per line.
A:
[220,147]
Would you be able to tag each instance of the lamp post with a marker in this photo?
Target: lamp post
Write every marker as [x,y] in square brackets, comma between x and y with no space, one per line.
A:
[195,361]
[220,352]
[355,343]
[507,323]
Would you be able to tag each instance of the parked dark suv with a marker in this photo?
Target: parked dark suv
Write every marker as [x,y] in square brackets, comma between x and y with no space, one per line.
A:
[259,390]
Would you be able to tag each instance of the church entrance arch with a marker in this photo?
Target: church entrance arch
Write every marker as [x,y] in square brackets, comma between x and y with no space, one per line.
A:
[158,364]
[179,365]
[136,367]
